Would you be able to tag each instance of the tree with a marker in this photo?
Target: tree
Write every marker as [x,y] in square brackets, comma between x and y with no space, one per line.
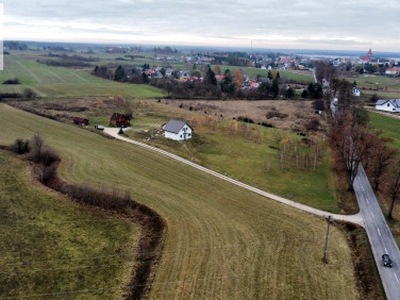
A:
[275,88]
[238,79]
[119,74]
[289,93]
[210,77]
[380,157]
[269,75]
[351,144]
[392,186]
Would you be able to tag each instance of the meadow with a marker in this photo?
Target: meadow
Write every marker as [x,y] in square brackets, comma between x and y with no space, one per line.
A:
[48,81]
[223,242]
[50,246]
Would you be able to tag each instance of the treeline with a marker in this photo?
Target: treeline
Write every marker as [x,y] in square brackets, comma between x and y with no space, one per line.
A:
[355,143]
[65,60]
[151,241]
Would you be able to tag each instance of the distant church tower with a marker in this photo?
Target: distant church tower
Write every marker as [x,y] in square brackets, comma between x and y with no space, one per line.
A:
[369,54]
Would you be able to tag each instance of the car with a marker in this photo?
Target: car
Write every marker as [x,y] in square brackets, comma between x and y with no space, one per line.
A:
[99,127]
[387,262]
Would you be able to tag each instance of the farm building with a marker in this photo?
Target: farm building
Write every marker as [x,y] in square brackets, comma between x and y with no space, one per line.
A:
[119,120]
[388,105]
[80,121]
[177,130]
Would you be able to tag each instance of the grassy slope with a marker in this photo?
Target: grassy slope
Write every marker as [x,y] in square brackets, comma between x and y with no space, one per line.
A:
[49,81]
[50,245]
[223,242]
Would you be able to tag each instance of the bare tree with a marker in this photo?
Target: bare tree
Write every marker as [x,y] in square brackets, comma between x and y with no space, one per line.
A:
[392,186]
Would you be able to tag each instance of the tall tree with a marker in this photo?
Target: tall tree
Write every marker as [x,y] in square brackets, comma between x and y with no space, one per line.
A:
[275,88]
[392,186]
[238,79]
[210,77]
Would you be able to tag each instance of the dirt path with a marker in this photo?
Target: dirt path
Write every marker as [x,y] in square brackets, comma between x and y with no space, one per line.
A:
[355,219]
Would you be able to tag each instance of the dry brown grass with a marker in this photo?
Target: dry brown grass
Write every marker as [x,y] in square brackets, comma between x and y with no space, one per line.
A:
[299,112]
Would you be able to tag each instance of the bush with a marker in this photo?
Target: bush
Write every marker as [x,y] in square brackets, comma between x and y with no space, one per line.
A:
[20,146]
[39,153]
[30,94]
[312,125]
[12,81]
[275,114]
[245,119]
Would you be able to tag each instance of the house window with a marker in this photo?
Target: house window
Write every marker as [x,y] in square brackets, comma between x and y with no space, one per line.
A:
[388,104]
[189,134]
[181,135]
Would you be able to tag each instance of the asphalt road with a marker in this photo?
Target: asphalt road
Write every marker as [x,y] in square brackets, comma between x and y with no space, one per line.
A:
[379,235]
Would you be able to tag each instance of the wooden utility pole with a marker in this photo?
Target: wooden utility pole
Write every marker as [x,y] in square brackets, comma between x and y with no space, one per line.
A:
[326,240]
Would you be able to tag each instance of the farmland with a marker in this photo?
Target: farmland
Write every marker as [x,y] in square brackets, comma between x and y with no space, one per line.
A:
[50,245]
[222,242]
[48,81]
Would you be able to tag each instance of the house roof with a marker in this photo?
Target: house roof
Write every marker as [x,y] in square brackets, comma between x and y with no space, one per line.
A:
[174,126]
[394,102]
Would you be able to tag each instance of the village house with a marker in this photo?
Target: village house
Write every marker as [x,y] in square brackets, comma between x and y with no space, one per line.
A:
[388,105]
[177,130]
[119,120]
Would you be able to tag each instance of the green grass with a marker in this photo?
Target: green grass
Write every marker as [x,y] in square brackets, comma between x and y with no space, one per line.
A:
[50,245]
[388,125]
[246,160]
[49,81]
[253,72]
[223,241]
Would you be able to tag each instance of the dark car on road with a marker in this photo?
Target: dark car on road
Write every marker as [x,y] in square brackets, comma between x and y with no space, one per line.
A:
[387,262]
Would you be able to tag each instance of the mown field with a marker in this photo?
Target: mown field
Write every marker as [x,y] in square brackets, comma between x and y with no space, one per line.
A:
[53,248]
[49,81]
[223,242]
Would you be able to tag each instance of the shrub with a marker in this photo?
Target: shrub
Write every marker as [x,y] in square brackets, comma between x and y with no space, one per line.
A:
[12,81]
[245,119]
[39,153]
[28,93]
[20,146]
[312,125]
[275,114]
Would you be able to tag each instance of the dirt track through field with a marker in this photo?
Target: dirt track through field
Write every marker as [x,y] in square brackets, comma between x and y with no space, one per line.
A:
[355,219]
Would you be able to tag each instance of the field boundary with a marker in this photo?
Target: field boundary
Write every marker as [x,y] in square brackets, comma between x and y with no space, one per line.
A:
[151,242]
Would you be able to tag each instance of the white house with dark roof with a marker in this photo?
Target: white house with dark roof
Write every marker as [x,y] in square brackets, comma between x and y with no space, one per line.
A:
[388,105]
[177,130]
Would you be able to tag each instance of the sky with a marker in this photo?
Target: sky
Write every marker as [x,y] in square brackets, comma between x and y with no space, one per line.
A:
[283,24]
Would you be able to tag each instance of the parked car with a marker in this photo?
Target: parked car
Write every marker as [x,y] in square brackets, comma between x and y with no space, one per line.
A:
[99,127]
[387,262]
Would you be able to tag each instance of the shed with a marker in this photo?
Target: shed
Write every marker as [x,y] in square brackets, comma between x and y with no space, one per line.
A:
[177,130]
[80,121]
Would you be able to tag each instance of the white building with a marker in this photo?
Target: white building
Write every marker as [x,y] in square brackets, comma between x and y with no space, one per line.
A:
[356,92]
[177,130]
[388,105]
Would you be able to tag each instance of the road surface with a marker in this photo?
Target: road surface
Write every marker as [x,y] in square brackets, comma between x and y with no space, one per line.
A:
[355,219]
[379,235]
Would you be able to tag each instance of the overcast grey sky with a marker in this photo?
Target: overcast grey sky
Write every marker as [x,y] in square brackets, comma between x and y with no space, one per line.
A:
[307,24]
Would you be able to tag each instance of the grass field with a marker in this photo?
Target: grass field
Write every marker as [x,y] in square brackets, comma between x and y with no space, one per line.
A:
[49,245]
[299,76]
[49,81]
[384,87]
[223,242]
[247,159]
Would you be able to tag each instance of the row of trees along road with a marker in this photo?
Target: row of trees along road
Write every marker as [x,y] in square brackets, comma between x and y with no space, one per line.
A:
[354,142]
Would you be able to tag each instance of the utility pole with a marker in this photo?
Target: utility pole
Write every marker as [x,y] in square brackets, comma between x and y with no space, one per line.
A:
[326,240]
